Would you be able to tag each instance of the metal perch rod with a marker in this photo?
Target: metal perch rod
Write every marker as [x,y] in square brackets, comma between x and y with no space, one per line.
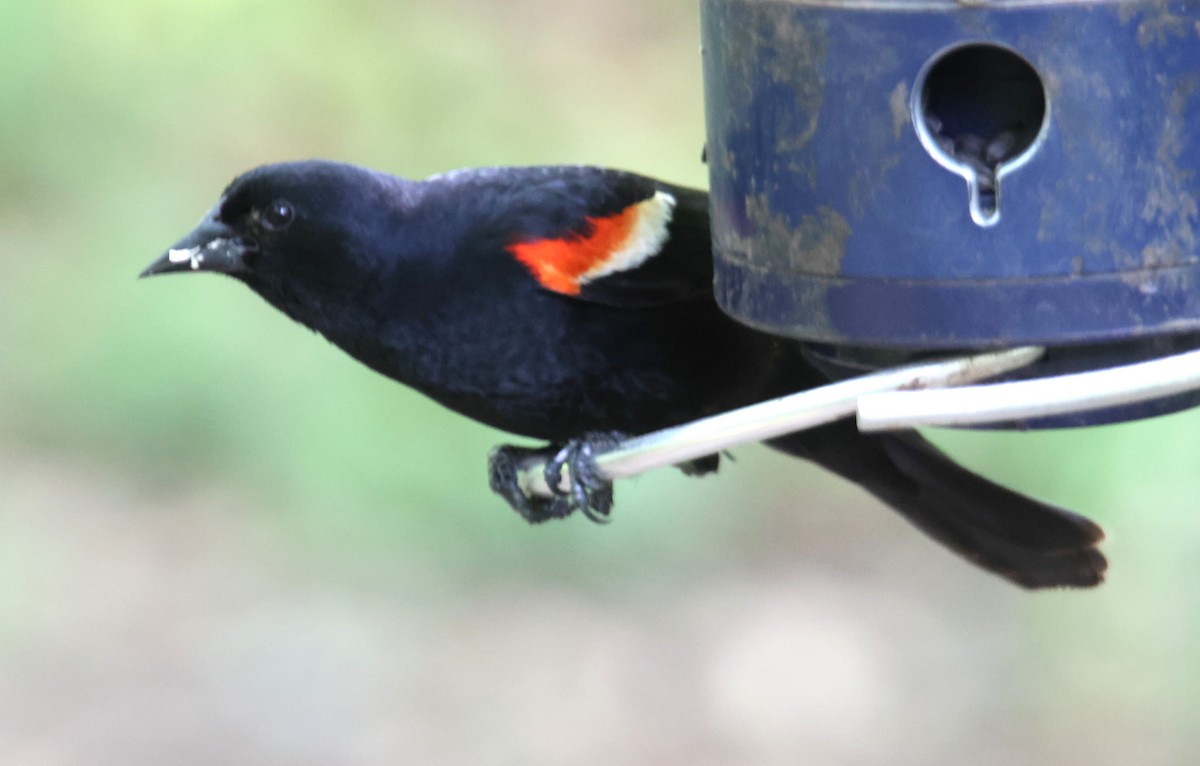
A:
[1022,400]
[784,415]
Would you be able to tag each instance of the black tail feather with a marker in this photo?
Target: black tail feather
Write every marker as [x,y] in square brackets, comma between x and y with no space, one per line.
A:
[1026,541]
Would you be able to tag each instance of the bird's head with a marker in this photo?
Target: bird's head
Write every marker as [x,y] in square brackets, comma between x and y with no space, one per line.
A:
[295,232]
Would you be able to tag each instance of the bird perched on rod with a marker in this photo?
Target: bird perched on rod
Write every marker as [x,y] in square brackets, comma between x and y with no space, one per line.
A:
[570,303]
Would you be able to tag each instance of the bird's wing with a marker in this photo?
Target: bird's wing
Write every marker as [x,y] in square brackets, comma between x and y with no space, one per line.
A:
[609,237]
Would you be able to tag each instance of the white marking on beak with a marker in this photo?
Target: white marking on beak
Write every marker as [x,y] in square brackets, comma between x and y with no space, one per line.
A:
[191,254]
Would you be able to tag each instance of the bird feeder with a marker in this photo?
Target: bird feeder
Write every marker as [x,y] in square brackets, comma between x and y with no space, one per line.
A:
[897,178]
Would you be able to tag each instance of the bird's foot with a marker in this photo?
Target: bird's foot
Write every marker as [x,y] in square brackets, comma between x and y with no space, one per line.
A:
[702,466]
[586,489]
[505,466]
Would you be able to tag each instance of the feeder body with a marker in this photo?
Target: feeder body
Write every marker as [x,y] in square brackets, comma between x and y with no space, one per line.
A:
[841,168]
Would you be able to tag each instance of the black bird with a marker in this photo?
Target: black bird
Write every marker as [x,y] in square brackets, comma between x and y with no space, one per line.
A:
[563,302]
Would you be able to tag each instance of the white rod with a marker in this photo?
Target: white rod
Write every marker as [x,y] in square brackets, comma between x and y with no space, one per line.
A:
[1021,400]
[784,415]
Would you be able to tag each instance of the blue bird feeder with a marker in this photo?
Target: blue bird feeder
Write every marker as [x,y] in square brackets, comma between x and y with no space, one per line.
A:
[896,178]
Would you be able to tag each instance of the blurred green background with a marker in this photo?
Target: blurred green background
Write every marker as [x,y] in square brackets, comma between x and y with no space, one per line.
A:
[221,541]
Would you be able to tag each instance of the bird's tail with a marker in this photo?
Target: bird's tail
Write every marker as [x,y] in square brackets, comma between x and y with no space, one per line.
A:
[1026,541]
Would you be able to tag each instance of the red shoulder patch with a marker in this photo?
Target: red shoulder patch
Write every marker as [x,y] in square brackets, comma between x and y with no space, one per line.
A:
[616,243]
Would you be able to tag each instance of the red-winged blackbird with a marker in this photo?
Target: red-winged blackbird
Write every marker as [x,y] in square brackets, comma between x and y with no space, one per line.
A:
[559,302]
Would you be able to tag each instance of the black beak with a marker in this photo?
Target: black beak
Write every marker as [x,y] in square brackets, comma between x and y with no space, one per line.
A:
[211,246]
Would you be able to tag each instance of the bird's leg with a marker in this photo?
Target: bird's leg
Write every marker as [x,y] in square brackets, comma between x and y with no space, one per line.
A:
[588,490]
[505,464]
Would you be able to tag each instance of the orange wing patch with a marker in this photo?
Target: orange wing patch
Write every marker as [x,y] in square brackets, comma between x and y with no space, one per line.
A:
[617,242]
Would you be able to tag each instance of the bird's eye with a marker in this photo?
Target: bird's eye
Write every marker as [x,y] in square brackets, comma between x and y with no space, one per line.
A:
[277,215]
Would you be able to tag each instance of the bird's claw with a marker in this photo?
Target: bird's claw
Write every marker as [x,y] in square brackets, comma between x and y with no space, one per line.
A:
[505,464]
[587,490]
